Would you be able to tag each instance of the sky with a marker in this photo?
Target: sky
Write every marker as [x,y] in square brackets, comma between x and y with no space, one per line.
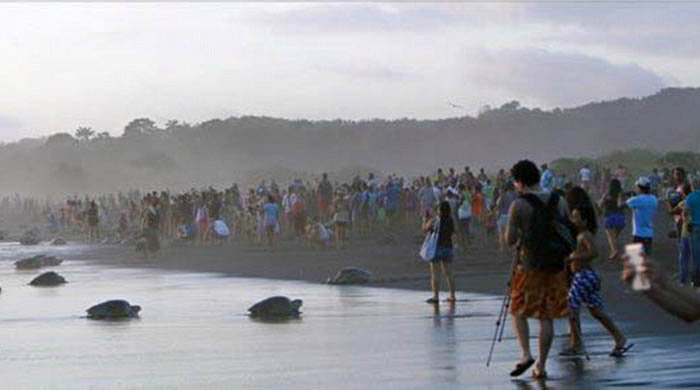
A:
[66,65]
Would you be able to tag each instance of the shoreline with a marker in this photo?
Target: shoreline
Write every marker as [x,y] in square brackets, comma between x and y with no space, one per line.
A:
[482,269]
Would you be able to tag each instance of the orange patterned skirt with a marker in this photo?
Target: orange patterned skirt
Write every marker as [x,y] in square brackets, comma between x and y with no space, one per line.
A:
[537,294]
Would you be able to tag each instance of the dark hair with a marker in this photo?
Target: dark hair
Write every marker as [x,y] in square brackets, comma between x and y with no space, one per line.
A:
[686,189]
[526,172]
[445,210]
[578,199]
[614,188]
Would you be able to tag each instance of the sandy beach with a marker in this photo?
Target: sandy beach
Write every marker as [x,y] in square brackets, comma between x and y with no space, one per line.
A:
[482,268]
[381,334]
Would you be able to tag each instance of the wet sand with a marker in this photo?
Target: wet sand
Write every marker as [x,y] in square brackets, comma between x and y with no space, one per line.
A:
[391,334]
[482,268]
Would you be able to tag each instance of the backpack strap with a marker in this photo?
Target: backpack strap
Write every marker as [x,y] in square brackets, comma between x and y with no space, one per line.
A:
[553,200]
[533,200]
[536,203]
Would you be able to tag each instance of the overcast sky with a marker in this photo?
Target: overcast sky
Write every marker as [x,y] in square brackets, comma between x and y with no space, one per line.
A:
[101,65]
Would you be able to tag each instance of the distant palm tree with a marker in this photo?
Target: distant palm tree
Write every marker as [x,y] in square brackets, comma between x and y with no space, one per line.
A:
[84,133]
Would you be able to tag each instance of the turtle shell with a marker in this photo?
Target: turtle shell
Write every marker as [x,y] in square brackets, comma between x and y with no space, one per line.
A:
[117,308]
[275,307]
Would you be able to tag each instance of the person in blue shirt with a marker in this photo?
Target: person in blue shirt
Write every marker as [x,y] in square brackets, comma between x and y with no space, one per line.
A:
[547,179]
[692,208]
[644,207]
[393,194]
[271,220]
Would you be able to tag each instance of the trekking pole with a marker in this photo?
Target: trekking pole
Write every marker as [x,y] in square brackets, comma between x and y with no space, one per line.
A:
[503,315]
[500,321]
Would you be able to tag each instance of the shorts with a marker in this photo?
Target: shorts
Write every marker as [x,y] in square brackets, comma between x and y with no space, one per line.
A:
[270,227]
[615,221]
[502,222]
[585,289]
[538,294]
[443,254]
[646,243]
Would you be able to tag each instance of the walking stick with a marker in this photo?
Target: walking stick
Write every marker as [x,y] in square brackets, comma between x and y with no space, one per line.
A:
[503,315]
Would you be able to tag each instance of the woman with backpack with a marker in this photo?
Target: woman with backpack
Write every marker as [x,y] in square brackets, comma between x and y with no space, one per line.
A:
[444,253]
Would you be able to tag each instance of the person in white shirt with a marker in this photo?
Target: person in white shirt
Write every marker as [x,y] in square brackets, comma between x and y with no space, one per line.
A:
[585,177]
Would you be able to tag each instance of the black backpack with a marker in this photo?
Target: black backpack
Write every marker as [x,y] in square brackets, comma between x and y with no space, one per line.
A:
[550,238]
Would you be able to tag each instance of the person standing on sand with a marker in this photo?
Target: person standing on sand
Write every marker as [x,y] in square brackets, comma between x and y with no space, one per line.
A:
[271,218]
[547,179]
[613,216]
[692,214]
[93,220]
[464,216]
[341,218]
[324,192]
[685,236]
[502,207]
[535,292]
[621,175]
[585,177]
[202,219]
[444,252]
[585,284]
[644,207]
[150,222]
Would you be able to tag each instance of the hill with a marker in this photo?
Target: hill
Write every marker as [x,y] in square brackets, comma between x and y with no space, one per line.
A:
[219,151]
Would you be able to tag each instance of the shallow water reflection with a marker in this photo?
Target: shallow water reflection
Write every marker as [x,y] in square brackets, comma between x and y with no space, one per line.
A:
[194,333]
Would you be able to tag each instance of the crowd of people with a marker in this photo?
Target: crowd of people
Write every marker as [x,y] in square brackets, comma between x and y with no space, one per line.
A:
[553,275]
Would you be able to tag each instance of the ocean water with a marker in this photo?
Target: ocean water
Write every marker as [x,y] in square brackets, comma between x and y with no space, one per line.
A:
[193,333]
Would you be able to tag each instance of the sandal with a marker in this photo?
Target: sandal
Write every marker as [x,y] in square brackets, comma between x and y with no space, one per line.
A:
[570,351]
[620,351]
[520,368]
[539,375]
[432,300]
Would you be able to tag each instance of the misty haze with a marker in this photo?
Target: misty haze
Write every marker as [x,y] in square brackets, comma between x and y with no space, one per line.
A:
[350,195]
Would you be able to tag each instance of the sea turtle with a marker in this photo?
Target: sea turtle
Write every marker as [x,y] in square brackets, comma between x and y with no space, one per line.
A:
[351,275]
[48,279]
[114,309]
[58,241]
[38,261]
[276,307]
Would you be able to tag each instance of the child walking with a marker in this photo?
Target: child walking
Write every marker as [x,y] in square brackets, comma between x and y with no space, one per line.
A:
[585,283]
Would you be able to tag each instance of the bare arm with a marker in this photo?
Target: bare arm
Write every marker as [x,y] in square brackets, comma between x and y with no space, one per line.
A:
[678,300]
[428,226]
[587,253]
